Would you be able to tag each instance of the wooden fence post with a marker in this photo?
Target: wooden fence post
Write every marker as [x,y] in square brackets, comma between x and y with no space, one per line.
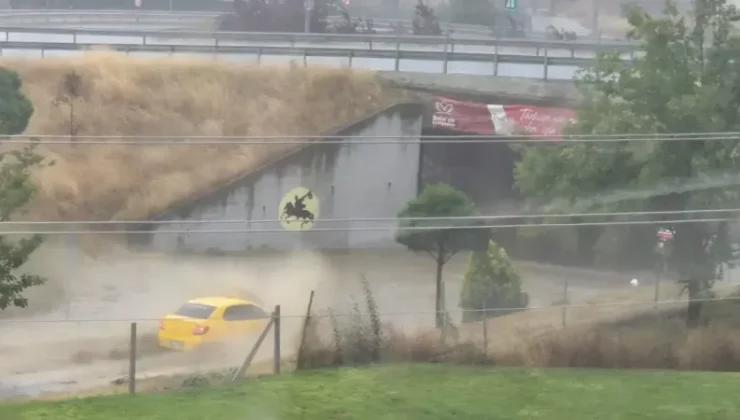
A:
[564,313]
[132,360]
[248,361]
[276,330]
[306,322]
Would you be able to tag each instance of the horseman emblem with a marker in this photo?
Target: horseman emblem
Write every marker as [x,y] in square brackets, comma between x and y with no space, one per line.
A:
[298,209]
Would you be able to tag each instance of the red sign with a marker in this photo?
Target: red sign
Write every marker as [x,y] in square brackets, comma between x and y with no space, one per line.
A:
[469,117]
[478,118]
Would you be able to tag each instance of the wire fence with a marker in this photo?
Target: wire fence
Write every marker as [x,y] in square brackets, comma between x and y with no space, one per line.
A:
[450,223]
[427,227]
[490,217]
[104,354]
[315,231]
[399,314]
[175,140]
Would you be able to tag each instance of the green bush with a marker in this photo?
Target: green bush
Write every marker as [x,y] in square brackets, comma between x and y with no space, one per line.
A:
[492,286]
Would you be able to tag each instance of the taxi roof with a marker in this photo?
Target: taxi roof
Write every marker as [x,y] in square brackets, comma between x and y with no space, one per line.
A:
[221,301]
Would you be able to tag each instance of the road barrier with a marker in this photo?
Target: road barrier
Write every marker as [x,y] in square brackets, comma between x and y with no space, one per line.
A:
[354,41]
[444,59]
[442,53]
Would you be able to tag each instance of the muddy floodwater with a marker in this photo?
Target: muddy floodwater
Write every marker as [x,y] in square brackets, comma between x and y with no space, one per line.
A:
[75,333]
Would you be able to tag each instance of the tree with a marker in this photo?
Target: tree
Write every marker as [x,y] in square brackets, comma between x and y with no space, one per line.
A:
[425,20]
[448,232]
[491,286]
[16,190]
[69,91]
[15,108]
[687,81]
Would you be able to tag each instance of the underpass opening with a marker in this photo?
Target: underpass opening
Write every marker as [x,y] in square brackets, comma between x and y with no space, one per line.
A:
[484,167]
[484,171]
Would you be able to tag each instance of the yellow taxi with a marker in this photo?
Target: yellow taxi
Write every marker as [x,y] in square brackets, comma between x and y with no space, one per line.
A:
[209,320]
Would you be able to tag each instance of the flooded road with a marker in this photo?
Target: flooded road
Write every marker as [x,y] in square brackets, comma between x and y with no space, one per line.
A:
[75,333]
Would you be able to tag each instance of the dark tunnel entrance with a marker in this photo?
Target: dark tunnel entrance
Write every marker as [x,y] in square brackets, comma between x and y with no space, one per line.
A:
[484,171]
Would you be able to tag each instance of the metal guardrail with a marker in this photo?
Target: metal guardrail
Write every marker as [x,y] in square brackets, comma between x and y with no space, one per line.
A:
[355,41]
[444,58]
[51,17]
[100,15]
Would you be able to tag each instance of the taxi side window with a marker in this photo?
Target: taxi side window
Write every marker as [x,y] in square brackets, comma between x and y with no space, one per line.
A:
[243,313]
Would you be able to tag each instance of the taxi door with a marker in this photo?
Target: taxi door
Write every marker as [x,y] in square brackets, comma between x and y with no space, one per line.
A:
[244,319]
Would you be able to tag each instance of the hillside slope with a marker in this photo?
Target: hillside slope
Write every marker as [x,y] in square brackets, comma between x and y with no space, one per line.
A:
[124,96]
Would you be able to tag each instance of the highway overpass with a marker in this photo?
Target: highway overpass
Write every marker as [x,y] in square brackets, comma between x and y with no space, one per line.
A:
[443,64]
[538,59]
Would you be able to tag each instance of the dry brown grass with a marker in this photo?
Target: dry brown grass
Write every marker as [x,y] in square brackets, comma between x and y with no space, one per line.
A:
[644,347]
[620,337]
[176,97]
[510,332]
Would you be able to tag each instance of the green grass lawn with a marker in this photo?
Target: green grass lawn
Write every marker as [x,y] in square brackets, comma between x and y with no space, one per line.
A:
[426,392]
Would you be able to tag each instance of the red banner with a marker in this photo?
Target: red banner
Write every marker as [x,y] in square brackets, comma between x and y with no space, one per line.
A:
[477,118]
[534,120]
[468,117]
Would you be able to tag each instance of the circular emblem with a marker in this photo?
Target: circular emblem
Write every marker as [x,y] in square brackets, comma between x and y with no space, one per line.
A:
[298,209]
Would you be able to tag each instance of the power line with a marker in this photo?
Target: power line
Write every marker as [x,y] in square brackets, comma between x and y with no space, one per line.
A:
[404,313]
[699,135]
[303,140]
[362,228]
[378,219]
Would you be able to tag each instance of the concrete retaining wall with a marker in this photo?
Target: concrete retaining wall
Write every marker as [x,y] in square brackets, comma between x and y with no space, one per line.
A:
[350,181]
